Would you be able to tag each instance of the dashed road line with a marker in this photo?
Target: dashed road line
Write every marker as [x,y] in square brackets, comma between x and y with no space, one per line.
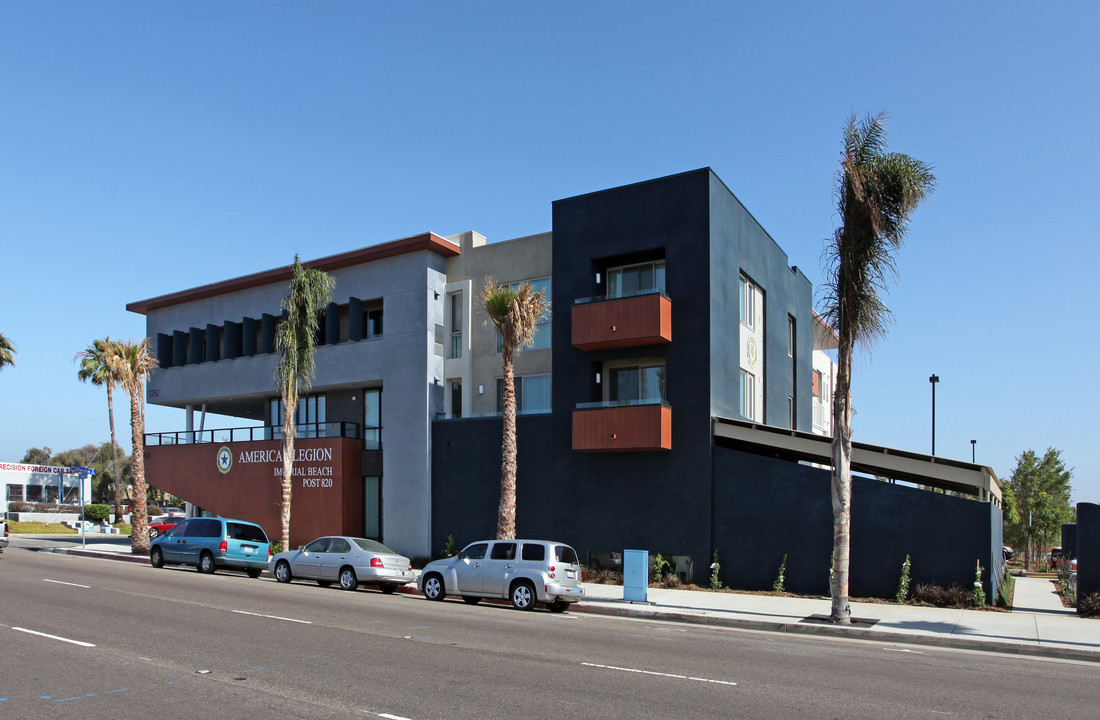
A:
[660,674]
[62,582]
[274,617]
[54,637]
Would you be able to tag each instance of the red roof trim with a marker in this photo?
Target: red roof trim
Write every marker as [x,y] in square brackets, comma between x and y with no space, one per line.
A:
[427,241]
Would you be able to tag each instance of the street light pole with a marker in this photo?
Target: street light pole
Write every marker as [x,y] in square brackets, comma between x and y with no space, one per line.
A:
[934,379]
[972,444]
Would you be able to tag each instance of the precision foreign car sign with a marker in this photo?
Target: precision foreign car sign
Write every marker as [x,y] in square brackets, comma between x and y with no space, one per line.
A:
[225,459]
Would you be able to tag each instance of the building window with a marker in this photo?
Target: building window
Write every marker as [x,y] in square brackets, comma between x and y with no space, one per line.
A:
[790,412]
[815,384]
[790,336]
[748,396]
[748,301]
[636,279]
[15,492]
[372,318]
[372,419]
[456,398]
[532,394]
[456,325]
[309,418]
[542,332]
[637,385]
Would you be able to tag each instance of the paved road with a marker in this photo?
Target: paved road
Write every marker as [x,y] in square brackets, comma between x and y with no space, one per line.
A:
[131,641]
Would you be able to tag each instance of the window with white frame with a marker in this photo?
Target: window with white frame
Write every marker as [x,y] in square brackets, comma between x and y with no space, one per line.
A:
[637,279]
[748,395]
[456,325]
[748,301]
[639,384]
[532,393]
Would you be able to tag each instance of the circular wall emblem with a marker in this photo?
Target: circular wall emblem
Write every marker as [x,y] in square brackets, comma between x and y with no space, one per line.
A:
[752,352]
[225,459]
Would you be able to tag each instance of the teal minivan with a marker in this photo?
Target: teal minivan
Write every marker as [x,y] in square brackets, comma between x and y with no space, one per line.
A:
[211,543]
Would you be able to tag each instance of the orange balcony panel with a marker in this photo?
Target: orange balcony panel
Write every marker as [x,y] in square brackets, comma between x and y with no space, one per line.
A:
[631,427]
[623,322]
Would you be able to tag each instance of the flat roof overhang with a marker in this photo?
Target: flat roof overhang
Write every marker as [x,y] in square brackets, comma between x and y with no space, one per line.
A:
[427,241]
[795,445]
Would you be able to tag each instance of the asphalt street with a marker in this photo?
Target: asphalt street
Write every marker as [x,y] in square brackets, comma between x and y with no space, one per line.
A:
[91,638]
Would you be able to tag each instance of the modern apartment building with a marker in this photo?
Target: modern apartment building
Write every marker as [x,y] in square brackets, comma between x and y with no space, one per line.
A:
[681,340]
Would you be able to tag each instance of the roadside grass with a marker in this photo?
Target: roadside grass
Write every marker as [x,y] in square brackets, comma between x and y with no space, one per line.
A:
[43,528]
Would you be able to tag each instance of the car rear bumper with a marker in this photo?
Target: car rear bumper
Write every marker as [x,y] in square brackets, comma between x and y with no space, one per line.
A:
[568,593]
[384,575]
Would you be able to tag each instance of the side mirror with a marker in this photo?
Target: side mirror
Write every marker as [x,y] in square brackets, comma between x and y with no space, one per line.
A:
[302,549]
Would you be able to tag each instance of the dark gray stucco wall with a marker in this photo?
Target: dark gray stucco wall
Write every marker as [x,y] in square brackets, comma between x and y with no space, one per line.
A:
[764,508]
[738,243]
[1088,549]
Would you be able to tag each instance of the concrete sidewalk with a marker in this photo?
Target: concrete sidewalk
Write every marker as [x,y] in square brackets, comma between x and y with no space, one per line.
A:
[1037,626]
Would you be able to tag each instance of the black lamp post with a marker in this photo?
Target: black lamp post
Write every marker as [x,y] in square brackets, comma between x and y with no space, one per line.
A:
[972,444]
[934,379]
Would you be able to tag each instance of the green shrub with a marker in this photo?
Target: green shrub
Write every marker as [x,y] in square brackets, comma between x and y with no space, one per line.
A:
[449,547]
[979,591]
[660,568]
[1005,590]
[903,583]
[95,513]
[715,583]
[780,580]
[276,546]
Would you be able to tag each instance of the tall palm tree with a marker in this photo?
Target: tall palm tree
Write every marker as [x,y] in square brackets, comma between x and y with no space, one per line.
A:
[876,192]
[132,363]
[95,367]
[515,312]
[295,341]
[7,352]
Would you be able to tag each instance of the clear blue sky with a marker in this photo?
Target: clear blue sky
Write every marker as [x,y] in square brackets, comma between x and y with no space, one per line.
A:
[147,148]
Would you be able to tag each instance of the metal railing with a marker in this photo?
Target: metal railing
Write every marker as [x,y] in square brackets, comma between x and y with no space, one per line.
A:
[636,293]
[252,434]
[621,403]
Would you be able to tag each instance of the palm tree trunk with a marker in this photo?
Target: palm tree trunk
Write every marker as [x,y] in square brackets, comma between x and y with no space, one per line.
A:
[139,520]
[290,405]
[842,483]
[506,513]
[114,452]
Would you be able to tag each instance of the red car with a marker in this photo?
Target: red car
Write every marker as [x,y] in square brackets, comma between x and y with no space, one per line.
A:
[163,526]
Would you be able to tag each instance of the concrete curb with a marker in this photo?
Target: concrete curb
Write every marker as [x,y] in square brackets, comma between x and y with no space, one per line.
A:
[792,628]
[851,633]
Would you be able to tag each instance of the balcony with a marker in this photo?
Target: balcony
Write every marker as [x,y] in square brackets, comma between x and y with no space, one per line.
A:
[600,323]
[600,427]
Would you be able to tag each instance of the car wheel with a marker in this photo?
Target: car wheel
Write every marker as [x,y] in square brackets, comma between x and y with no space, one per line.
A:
[471,599]
[523,595]
[558,606]
[156,558]
[206,563]
[348,581]
[254,572]
[282,572]
[153,533]
[434,588]
[324,583]
[387,588]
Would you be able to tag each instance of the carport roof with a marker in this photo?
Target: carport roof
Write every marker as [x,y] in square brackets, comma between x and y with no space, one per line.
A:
[937,472]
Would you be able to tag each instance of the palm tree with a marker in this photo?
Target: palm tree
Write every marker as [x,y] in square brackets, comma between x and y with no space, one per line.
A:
[132,364]
[7,352]
[95,368]
[515,312]
[295,341]
[876,192]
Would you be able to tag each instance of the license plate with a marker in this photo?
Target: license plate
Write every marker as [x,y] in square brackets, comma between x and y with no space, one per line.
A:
[248,551]
[570,574]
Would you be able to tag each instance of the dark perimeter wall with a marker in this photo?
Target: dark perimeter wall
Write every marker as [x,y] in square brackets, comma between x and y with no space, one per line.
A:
[1088,549]
[765,508]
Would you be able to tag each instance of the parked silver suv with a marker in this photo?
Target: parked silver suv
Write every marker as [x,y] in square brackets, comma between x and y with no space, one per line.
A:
[524,571]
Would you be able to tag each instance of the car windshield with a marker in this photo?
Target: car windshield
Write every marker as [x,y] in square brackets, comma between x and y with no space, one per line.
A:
[373,546]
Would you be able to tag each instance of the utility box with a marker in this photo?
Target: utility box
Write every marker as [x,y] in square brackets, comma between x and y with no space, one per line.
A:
[635,575]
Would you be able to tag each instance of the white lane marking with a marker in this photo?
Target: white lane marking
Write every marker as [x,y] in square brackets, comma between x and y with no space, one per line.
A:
[53,637]
[661,674]
[60,582]
[915,652]
[274,617]
[392,717]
